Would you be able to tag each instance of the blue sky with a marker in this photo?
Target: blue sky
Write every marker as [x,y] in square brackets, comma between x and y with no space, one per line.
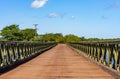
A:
[89,18]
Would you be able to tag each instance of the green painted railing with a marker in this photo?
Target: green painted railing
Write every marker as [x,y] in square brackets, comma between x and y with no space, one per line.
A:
[107,53]
[13,52]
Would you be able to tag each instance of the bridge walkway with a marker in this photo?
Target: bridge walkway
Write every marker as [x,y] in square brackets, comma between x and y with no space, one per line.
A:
[60,62]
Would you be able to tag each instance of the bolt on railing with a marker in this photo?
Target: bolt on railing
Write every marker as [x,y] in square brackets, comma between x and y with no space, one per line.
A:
[107,53]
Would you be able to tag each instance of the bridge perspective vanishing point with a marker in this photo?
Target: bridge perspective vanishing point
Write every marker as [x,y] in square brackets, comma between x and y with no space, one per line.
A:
[83,60]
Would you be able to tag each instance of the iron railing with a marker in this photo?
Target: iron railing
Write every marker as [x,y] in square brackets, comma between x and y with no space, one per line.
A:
[13,52]
[107,53]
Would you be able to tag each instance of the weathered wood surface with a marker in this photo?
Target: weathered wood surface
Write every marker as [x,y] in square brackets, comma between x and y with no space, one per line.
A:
[61,62]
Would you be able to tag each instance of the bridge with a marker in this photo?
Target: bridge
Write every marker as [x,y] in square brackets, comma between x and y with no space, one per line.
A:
[85,60]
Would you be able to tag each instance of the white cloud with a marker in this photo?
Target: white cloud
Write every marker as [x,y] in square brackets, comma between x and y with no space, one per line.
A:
[38,3]
[53,15]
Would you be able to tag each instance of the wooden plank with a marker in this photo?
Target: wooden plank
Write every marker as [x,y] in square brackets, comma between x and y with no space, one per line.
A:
[61,62]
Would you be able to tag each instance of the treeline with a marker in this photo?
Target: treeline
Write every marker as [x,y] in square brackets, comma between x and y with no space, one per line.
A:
[14,33]
[57,37]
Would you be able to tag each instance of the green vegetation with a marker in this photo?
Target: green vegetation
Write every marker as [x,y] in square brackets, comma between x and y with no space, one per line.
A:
[50,37]
[14,33]
[72,38]
[57,37]
[28,34]
[11,32]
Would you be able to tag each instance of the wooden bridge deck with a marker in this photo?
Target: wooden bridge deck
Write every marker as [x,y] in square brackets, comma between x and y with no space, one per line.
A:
[61,62]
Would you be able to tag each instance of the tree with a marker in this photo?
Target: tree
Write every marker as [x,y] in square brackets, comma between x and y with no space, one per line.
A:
[50,37]
[72,38]
[11,32]
[93,39]
[58,37]
[82,38]
[28,34]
